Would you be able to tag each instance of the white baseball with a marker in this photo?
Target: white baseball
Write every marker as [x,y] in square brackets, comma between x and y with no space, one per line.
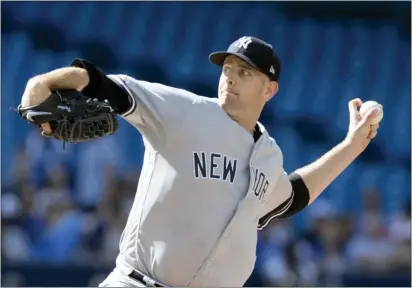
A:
[367,106]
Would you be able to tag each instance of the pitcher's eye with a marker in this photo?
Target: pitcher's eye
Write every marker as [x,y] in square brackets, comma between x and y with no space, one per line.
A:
[245,72]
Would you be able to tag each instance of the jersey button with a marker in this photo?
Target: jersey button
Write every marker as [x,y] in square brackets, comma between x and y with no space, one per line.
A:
[209,264]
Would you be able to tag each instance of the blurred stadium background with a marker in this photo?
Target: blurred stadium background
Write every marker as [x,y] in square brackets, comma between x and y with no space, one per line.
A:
[63,210]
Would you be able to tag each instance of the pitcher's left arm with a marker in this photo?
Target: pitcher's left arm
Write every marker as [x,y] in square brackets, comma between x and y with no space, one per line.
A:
[307,183]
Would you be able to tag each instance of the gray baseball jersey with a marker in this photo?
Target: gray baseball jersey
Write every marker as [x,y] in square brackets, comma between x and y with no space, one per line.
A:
[204,185]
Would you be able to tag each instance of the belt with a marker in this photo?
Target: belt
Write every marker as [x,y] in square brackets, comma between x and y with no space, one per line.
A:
[144,279]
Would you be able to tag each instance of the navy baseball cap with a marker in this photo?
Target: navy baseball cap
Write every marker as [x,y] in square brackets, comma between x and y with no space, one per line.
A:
[254,51]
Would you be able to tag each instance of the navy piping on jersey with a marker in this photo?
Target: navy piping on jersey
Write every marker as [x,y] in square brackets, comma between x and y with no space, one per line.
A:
[132,101]
[282,208]
[298,201]
[265,220]
[257,133]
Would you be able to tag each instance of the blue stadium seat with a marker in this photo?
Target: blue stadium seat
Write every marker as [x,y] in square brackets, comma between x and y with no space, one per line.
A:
[399,128]
[369,176]
[16,54]
[15,49]
[85,23]
[396,189]
[326,78]
[25,12]
[291,145]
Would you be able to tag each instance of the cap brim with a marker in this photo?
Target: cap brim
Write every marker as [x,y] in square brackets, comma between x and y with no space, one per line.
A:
[218,58]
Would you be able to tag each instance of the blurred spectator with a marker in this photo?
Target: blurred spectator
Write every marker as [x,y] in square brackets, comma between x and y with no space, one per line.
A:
[371,210]
[115,208]
[400,225]
[54,191]
[319,253]
[16,244]
[61,235]
[62,223]
[98,163]
[274,267]
[44,155]
[20,173]
[371,236]
[91,238]
[400,235]
[16,198]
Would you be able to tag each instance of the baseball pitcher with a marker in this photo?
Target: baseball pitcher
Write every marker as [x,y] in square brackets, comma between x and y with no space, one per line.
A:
[212,175]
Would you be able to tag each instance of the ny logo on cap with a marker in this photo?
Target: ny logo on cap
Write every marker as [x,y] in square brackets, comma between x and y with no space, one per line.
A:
[272,70]
[243,42]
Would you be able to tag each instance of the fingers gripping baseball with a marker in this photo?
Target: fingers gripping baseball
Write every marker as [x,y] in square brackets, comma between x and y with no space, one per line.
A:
[353,110]
[363,124]
[369,117]
[373,132]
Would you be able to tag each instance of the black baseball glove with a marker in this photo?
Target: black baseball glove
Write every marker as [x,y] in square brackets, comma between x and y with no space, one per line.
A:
[73,117]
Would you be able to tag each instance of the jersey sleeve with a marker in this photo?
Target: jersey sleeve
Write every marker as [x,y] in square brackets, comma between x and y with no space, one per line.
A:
[156,110]
[278,201]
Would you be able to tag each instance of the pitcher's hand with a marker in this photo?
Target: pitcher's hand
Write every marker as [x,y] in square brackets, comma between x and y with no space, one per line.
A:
[360,131]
